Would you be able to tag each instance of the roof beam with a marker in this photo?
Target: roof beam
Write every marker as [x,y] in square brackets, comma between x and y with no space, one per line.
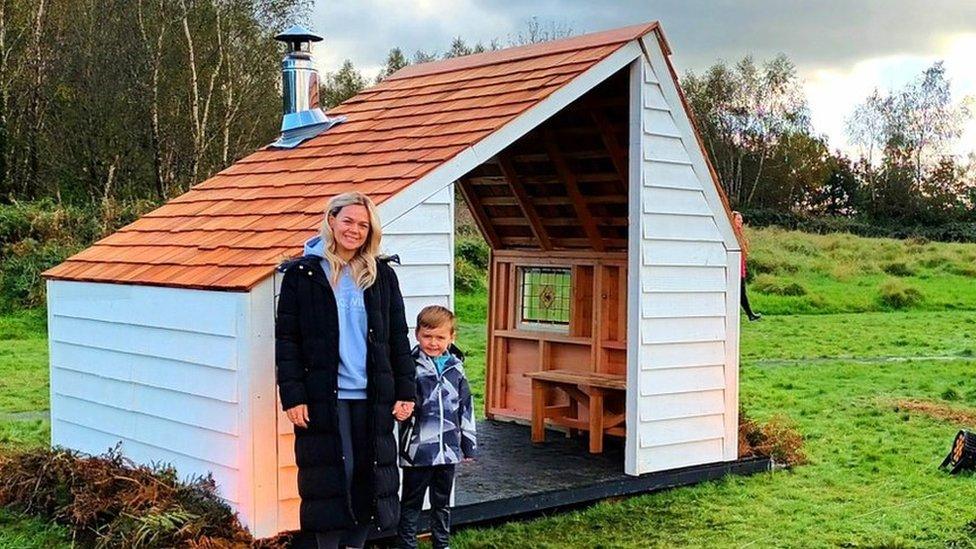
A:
[617,154]
[524,202]
[572,189]
[479,214]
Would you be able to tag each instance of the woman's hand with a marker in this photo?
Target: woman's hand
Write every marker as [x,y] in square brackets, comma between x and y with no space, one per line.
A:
[298,415]
[403,409]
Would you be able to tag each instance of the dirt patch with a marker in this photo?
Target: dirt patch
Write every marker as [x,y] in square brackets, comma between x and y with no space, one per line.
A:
[936,410]
[778,438]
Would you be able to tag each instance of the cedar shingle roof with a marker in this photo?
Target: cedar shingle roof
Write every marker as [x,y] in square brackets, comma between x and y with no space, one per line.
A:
[229,232]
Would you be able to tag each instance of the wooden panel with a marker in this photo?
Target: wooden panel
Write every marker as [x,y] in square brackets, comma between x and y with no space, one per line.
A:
[664,330]
[684,227]
[659,122]
[192,379]
[288,482]
[206,413]
[677,431]
[424,280]
[288,514]
[683,279]
[190,347]
[670,406]
[675,201]
[682,380]
[200,444]
[654,98]
[422,219]
[682,253]
[570,357]
[679,355]
[732,359]
[679,305]
[664,149]
[180,309]
[667,174]
[94,441]
[419,249]
[581,309]
[681,455]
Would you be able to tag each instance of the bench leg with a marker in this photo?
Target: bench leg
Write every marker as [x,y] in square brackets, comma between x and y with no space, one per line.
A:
[538,411]
[596,421]
[573,413]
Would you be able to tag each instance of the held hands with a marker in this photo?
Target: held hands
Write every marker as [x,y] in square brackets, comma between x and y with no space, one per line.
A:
[403,409]
[298,415]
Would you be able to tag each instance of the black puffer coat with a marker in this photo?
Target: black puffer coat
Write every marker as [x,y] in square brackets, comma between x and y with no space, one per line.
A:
[307,361]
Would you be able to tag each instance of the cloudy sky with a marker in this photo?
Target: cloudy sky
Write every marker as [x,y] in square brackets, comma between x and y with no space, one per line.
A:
[842,48]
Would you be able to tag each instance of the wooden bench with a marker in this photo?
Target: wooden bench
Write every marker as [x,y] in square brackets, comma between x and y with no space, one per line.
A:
[588,388]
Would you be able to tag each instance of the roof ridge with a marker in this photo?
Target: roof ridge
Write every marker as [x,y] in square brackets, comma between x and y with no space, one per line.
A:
[505,55]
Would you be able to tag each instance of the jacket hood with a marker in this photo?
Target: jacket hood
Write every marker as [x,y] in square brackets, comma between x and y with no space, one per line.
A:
[315,246]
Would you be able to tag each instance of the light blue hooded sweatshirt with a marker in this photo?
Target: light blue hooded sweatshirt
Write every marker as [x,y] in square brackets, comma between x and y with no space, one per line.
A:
[352,326]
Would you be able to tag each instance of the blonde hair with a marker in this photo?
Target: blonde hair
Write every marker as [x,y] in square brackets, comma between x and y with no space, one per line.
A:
[363,264]
[435,316]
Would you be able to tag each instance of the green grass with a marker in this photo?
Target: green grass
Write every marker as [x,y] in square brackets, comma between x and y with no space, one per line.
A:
[872,480]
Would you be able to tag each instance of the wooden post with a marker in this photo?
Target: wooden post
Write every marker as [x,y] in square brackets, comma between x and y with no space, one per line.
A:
[596,420]
[538,411]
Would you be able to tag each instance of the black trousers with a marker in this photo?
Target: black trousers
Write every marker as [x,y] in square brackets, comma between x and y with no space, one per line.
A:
[416,481]
[744,298]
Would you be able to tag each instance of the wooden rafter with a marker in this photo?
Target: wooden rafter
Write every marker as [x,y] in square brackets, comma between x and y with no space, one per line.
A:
[617,154]
[524,202]
[479,214]
[572,189]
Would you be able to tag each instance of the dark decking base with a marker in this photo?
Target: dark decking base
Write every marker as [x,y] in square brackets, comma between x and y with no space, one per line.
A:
[515,479]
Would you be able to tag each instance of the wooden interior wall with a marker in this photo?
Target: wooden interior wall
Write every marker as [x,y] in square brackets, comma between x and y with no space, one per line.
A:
[596,337]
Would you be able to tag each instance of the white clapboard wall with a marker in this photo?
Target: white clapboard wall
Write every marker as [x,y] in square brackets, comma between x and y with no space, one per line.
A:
[159,370]
[423,237]
[683,303]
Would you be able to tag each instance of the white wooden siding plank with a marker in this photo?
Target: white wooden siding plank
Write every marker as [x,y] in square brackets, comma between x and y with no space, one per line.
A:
[672,406]
[194,442]
[424,218]
[212,383]
[94,441]
[681,455]
[681,226]
[679,305]
[186,310]
[682,355]
[424,280]
[683,279]
[654,98]
[664,148]
[682,430]
[659,122]
[667,200]
[682,380]
[663,330]
[419,249]
[213,415]
[207,350]
[670,174]
[682,253]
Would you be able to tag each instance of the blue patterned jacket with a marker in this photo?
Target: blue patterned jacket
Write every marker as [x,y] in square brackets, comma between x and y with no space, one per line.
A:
[441,430]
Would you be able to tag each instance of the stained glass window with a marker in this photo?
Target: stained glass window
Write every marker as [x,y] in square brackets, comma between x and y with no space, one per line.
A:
[546,295]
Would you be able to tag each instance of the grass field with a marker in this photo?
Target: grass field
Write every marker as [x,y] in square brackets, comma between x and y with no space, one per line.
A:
[839,374]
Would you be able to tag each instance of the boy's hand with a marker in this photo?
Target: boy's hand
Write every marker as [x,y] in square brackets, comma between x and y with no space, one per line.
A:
[403,409]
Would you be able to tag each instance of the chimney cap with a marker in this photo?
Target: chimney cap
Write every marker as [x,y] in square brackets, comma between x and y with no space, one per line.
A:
[297,34]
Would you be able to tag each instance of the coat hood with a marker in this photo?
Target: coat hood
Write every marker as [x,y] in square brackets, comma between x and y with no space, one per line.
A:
[315,246]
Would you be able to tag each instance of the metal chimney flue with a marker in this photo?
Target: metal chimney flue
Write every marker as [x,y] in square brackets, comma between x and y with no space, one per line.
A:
[302,118]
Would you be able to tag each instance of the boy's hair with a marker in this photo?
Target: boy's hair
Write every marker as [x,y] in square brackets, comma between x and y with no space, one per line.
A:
[435,316]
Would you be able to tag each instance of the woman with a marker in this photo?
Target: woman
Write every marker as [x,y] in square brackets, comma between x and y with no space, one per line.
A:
[344,373]
[738,223]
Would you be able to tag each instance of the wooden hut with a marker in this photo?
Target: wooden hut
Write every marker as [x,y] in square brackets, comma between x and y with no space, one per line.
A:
[613,282]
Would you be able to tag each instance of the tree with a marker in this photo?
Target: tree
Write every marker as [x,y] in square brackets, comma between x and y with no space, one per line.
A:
[395,60]
[535,32]
[342,84]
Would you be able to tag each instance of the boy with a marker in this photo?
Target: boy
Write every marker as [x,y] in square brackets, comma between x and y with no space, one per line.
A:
[441,433]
